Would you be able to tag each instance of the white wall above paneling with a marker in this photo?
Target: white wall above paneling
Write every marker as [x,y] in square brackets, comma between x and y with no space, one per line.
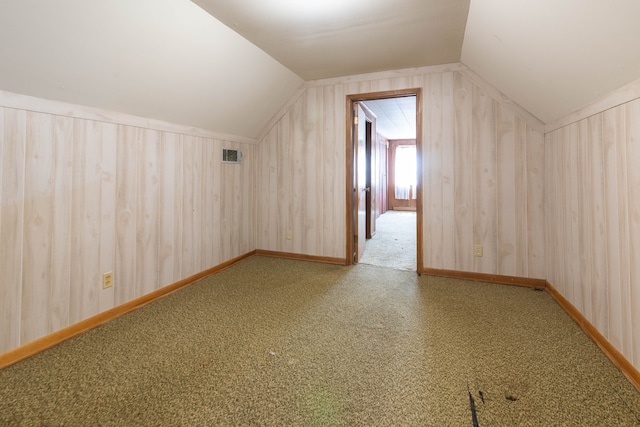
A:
[552,57]
[160,59]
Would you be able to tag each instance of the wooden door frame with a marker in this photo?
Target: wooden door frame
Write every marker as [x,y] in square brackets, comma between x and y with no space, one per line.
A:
[350,167]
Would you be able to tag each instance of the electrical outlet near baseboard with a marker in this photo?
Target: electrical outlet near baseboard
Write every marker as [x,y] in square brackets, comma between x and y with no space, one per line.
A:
[289,233]
[477,250]
[107,280]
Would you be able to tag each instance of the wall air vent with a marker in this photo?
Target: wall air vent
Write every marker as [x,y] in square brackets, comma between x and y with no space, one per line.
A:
[231,156]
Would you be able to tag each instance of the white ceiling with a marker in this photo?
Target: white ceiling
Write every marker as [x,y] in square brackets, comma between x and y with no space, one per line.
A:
[395,117]
[173,61]
[163,59]
[330,38]
[554,56]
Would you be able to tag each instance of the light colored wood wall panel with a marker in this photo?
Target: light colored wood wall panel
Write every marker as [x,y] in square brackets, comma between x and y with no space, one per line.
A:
[433,151]
[81,197]
[598,264]
[85,245]
[11,227]
[585,236]
[303,182]
[507,192]
[448,175]
[535,198]
[170,209]
[62,197]
[38,225]
[108,198]
[209,246]
[632,121]
[147,200]
[593,221]
[624,261]
[484,180]
[127,187]
[464,166]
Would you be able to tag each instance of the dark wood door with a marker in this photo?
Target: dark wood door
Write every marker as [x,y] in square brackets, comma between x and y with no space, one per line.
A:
[361,180]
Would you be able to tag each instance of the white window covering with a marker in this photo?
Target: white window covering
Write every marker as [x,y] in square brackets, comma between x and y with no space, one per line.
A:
[405,172]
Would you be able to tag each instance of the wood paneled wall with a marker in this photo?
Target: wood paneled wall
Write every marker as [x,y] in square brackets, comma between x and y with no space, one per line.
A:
[80,197]
[483,173]
[593,220]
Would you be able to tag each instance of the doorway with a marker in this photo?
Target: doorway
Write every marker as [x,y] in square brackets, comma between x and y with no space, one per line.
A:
[363,192]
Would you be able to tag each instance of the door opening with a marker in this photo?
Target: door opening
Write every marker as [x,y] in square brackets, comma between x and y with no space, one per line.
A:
[368,192]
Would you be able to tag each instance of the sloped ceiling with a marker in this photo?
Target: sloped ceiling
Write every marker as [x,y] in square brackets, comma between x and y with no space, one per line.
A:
[172,60]
[162,59]
[554,56]
[331,38]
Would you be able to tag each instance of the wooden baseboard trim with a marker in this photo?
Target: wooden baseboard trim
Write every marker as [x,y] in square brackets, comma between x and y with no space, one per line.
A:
[618,359]
[50,340]
[484,277]
[302,257]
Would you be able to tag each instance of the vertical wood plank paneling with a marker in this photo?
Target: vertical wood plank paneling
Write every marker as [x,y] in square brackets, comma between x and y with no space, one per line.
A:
[125,275]
[464,214]
[311,238]
[433,146]
[592,207]
[286,196]
[561,223]
[197,221]
[234,213]
[506,192]
[484,179]
[86,208]
[448,171]
[11,229]
[147,197]
[570,214]
[249,202]
[267,190]
[535,208]
[521,219]
[632,121]
[615,277]
[108,196]
[190,192]
[38,226]
[298,214]
[598,260]
[329,146]
[208,207]
[216,199]
[550,207]
[320,176]
[61,232]
[338,200]
[623,240]
[574,281]
[585,218]
[169,199]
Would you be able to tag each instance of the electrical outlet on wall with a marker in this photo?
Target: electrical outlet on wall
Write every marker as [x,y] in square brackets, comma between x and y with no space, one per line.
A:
[477,250]
[289,233]
[107,280]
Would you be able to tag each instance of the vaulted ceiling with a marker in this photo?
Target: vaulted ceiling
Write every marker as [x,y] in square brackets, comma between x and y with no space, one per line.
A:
[228,66]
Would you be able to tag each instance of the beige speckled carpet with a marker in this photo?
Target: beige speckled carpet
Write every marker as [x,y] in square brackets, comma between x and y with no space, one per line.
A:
[394,243]
[276,342]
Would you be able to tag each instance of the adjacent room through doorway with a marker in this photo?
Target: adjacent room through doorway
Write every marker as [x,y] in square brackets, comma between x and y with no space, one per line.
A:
[390,190]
